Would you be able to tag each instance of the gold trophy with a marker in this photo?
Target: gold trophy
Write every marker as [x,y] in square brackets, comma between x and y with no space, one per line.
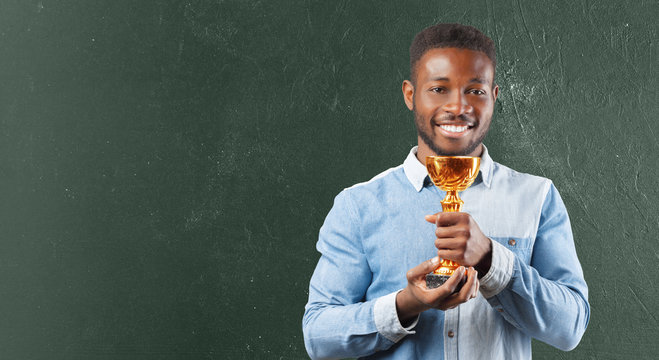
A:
[451,174]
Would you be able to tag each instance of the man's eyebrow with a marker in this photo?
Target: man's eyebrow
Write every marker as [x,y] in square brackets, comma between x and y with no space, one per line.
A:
[479,81]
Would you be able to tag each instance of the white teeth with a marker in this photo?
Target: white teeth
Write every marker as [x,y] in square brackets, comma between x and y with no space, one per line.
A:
[453,128]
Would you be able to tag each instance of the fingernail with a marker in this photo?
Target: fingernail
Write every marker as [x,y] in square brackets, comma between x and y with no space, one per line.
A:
[435,260]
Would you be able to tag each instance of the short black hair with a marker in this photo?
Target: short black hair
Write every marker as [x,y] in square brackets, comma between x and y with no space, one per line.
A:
[449,36]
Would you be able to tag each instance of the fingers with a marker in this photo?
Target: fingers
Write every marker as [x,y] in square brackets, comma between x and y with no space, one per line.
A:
[455,231]
[450,254]
[452,249]
[443,297]
[448,299]
[446,218]
[455,279]
[472,284]
[447,288]
[437,296]
[469,291]
[422,269]
[449,244]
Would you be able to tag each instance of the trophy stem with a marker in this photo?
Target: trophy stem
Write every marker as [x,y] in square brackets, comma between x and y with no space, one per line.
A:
[450,174]
[452,202]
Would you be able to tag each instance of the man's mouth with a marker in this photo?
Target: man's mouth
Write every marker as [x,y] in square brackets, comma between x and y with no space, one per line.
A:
[454,128]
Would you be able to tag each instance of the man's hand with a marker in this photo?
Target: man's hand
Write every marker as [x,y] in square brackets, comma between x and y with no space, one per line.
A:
[460,239]
[416,297]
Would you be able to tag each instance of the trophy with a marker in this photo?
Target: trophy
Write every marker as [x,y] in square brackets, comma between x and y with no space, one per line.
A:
[451,174]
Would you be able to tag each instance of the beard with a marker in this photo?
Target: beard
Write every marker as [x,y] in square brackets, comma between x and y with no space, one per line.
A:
[427,135]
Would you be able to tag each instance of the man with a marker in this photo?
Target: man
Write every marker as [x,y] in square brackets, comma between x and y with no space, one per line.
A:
[367,296]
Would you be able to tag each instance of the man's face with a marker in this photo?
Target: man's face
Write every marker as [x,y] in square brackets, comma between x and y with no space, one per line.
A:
[452,100]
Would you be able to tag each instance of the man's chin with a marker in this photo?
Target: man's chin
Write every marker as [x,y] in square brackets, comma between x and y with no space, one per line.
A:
[450,147]
[454,151]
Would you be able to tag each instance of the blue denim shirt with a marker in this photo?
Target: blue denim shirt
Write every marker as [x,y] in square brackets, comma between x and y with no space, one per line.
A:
[376,232]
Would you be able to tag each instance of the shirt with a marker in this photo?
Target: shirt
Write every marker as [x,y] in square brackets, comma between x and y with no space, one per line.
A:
[376,231]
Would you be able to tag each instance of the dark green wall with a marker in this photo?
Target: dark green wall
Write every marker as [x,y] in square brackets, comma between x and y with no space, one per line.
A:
[165,165]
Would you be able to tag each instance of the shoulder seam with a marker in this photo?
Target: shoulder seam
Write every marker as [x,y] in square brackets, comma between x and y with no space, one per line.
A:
[517,172]
[546,188]
[376,177]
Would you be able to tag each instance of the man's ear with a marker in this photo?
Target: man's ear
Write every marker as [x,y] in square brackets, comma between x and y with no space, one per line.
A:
[408,94]
[495,92]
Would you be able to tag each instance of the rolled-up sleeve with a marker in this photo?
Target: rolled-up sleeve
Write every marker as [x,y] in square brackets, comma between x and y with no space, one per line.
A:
[500,273]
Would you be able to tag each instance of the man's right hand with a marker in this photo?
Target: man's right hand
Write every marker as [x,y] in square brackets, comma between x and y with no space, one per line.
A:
[417,298]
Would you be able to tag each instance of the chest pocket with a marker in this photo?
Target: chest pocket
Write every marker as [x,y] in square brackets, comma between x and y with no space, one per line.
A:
[521,247]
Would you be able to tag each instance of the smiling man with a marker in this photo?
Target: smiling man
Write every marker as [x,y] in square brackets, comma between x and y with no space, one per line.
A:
[454,104]
[523,280]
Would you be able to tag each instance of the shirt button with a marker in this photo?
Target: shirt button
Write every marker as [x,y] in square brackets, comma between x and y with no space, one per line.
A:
[500,310]
[512,242]
[451,334]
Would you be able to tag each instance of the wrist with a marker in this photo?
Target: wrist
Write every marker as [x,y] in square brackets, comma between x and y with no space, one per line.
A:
[408,306]
[485,263]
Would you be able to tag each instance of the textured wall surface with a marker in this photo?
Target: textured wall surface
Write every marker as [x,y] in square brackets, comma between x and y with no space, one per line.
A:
[165,165]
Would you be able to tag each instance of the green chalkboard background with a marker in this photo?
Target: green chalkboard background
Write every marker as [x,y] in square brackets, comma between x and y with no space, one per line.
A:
[165,165]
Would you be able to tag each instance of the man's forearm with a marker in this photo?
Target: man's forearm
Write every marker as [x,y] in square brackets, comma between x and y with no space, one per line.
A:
[546,297]
[339,331]
[546,310]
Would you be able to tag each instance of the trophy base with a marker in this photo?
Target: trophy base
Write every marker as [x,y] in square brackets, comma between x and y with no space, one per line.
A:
[434,281]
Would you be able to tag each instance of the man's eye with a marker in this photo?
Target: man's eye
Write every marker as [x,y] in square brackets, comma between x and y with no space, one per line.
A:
[477,92]
[439,90]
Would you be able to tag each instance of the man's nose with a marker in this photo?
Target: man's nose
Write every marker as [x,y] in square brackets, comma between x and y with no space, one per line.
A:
[458,105]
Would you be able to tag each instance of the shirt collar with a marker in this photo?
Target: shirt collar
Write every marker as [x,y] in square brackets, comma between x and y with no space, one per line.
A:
[416,171]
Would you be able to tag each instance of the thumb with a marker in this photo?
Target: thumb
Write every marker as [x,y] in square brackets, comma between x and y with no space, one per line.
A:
[423,268]
[432,218]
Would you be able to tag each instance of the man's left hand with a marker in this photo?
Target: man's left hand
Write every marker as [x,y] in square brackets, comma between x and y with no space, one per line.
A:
[460,239]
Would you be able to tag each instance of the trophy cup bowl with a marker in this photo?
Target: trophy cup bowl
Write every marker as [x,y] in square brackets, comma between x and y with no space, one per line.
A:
[450,174]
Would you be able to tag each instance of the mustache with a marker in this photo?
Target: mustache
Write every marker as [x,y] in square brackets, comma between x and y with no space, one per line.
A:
[452,117]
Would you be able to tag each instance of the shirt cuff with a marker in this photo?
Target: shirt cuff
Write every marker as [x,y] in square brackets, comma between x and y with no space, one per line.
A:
[500,273]
[386,319]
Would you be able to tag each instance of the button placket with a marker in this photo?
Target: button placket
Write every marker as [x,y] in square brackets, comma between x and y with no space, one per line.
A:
[451,327]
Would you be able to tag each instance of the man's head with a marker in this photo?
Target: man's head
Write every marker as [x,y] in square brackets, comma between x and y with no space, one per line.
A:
[452,89]
[449,36]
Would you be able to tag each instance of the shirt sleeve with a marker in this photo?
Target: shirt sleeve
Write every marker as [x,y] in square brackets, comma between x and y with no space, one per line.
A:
[500,273]
[547,299]
[338,322]
[387,321]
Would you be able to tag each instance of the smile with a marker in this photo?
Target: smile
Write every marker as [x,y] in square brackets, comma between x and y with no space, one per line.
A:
[454,129]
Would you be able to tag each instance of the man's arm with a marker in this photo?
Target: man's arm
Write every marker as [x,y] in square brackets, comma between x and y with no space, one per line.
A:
[547,299]
[338,322]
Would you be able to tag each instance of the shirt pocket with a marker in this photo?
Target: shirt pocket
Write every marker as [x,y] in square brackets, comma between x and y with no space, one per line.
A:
[522,247]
